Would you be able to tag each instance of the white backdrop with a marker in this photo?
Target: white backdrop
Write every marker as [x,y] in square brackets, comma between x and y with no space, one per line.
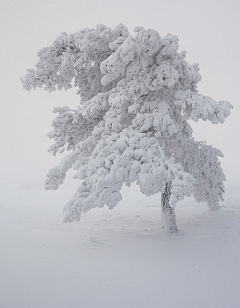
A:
[208,30]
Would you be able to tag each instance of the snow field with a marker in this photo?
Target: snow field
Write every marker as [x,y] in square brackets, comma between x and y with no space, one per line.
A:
[119,258]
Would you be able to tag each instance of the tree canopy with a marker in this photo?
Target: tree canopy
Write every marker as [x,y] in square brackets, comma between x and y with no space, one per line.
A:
[137,94]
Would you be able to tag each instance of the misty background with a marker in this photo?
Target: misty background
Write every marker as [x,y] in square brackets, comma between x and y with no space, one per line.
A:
[208,30]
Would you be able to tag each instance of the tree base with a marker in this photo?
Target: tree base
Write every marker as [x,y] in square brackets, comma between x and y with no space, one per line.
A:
[168,213]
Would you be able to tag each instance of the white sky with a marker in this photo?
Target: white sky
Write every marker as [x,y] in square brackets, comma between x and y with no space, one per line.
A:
[209,30]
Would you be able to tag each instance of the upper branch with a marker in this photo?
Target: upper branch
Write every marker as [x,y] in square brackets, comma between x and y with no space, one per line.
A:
[196,106]
[74,60]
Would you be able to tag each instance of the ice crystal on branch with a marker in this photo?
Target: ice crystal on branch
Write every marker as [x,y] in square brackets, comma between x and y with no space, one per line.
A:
[137,94]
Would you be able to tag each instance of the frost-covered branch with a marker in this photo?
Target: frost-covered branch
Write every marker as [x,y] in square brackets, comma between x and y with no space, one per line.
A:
[125,158]
[196,106]
[72,126]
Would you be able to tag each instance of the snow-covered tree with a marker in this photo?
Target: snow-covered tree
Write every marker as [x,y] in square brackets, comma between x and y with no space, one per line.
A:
[137,94]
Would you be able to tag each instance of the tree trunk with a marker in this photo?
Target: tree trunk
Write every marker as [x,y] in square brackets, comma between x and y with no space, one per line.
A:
[168,213]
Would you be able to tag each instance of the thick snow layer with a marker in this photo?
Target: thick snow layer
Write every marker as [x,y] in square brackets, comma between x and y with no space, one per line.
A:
[119,258]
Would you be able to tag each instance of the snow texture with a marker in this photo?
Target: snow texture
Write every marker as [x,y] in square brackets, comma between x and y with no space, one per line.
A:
[117,258]
[137,94]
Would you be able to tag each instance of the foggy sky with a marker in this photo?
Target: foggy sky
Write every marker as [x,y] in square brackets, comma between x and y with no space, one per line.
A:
[208,30]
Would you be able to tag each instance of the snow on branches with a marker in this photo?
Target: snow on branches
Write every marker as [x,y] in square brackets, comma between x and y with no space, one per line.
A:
[136,95]
[120,158]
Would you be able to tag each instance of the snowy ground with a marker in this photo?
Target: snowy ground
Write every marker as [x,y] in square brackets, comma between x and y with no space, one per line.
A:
[116,258]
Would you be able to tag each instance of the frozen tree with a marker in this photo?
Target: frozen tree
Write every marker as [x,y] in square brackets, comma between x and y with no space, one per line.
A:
[137,94]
